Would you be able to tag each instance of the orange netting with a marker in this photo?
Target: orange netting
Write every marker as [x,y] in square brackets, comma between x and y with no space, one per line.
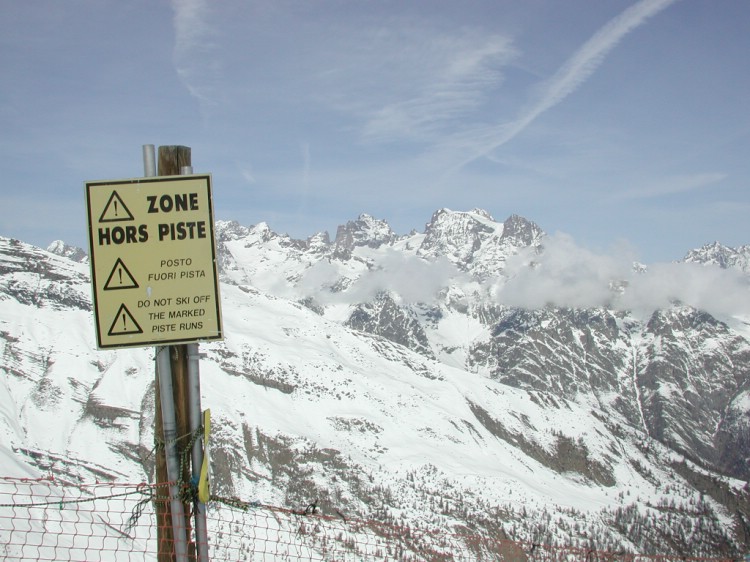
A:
[46,519]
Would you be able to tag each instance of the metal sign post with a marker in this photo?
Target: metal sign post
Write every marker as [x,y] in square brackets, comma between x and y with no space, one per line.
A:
[155,282]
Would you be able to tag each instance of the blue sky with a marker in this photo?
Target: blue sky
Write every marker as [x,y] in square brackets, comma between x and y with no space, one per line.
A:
[614,122]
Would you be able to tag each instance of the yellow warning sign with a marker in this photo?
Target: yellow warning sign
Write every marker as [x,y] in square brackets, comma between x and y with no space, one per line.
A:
[153,261]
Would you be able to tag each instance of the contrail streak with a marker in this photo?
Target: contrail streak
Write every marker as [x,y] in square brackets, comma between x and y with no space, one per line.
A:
[576,70]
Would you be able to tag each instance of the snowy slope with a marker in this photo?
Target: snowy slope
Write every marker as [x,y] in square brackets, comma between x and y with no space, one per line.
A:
[504,420]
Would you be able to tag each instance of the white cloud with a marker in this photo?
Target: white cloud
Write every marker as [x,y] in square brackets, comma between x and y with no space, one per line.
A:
[565,275]
[395,77]
[721,292]
[410,279]
[316,282]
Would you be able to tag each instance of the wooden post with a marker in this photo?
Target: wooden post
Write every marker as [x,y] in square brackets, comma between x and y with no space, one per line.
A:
[171,160]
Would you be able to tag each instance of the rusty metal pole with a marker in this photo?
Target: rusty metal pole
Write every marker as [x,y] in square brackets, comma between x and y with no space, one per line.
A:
[171,420]
[179,528]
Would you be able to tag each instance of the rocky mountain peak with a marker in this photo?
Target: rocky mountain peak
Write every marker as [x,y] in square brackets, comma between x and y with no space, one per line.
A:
[230,230]
[60,248]
[725,257]
[365,231]
[318,242]
[520,231]
[262,232]
[457,235]
[475,242]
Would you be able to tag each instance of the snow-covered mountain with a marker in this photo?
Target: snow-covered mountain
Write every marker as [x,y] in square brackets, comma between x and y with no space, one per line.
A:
[385,377]
[723,256]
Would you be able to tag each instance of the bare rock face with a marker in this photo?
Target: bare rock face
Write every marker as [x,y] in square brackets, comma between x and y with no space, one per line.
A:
[521,232]
[566,352]
[383,317]
[690,374]
[679,377]
[41,278]
[365,231]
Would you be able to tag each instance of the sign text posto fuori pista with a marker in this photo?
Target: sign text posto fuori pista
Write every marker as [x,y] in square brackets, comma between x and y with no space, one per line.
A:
[153,261]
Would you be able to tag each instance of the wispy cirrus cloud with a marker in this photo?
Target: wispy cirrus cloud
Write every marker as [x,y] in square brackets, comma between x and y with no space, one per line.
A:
[448,82]
[194,57]
[673,185]
[569,77]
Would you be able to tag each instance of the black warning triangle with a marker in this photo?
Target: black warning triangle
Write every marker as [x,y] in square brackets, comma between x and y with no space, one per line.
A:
[124,323]
[115,210]
[120,278]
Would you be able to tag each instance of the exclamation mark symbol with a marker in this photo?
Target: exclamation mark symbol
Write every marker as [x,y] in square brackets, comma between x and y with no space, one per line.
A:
[129,324]
[116,210]
[120,278]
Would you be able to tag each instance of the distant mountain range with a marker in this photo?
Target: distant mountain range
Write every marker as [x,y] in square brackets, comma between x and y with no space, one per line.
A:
[388,377]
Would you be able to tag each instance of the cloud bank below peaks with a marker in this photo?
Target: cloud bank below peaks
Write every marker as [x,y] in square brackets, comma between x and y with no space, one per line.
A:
[567,276]
[561,274]
[407,278]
